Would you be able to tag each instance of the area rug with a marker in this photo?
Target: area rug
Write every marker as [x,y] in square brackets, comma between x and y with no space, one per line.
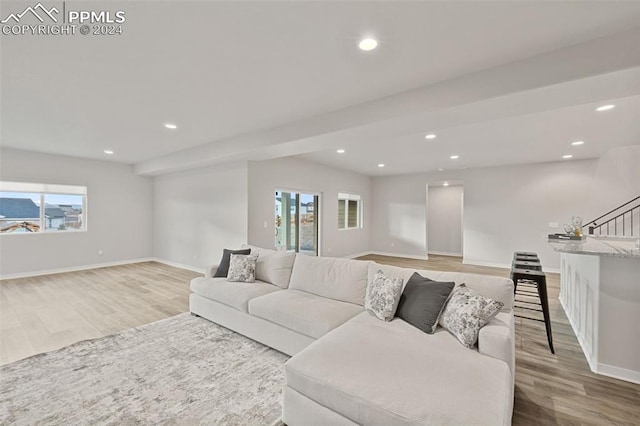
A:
[181,370]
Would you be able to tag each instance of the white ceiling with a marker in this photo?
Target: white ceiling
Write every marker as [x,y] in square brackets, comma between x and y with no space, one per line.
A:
[530,138]
[227,72]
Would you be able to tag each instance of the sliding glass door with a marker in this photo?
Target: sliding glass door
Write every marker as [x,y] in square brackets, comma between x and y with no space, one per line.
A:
[297,218]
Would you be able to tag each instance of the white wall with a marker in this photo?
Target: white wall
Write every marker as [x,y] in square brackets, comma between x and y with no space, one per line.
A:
[399,221]
[304,176]
[199,213]
[444,219]
[505,209]
[616,181]
[119,214]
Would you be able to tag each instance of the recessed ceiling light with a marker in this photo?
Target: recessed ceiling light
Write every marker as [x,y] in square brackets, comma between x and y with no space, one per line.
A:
[340,151]
[576,143]
[445,184]
[566,157]
[108,151]
[368,44]
[170,126]
[605,107]
[380,165]
[454,157]
[441,170]
[430,136]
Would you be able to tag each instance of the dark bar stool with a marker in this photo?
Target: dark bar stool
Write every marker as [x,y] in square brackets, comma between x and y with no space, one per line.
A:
[525,253]
[526,264]
[525,257]
[533,282]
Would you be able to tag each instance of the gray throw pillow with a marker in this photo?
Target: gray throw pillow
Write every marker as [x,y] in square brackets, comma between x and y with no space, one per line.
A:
[382,296]
[466,313]
[422,302]
[242,268]
[223,266]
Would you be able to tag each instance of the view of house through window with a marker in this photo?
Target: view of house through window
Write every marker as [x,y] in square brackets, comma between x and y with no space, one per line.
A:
[349,211]
[31,207]
[297,219]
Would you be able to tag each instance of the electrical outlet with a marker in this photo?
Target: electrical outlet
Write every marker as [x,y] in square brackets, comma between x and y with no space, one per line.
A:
[554,225]
[393,244]
[329,250]
[266,224]
[100,252]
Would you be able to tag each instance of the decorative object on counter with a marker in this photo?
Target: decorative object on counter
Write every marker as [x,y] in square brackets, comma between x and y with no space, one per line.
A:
[573,231]
[566,237]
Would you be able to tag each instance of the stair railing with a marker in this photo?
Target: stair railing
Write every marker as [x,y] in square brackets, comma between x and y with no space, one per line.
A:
[612,222]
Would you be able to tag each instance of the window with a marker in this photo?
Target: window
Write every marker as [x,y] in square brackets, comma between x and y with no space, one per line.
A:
[35,207]
[349,211]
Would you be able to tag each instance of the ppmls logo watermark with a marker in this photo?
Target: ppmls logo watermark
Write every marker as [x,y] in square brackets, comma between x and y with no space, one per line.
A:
[59,19]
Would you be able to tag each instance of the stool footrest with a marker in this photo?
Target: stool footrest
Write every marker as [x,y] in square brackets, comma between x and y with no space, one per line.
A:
[528,318]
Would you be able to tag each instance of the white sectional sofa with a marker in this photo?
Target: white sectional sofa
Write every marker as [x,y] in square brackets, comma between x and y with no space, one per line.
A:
[347,366]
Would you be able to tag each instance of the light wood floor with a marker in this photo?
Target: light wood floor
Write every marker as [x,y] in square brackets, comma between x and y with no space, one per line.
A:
[550,389]
[44,313]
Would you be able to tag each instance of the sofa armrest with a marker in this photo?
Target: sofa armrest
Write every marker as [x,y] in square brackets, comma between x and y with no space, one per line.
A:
[497,339]
[210,271]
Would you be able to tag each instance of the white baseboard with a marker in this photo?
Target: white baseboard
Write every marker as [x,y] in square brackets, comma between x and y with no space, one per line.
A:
[445,253]
[178,265]
[503,265]
[618,373]
[407,256]
[356,255]
[74,268]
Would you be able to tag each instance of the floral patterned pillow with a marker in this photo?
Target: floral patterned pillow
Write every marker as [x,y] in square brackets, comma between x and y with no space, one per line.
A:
[242,268]
[383,295]
[466,313]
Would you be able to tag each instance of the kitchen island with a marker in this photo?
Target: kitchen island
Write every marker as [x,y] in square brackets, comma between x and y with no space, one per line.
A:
[600,293]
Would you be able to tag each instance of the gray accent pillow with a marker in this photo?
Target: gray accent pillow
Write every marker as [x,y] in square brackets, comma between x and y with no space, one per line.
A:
[422,301]
[242,268]
[466,313]
[223,266]
[383,295]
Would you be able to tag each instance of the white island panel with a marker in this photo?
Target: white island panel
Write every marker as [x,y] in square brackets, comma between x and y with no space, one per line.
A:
[600,293]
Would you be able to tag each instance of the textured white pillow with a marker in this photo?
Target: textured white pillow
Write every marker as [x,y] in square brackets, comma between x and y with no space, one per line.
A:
[466,313]
[242,268]
[383,295]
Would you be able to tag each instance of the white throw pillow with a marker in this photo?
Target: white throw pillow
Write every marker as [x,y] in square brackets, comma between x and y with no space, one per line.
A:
[273,267]
[383,295]
[242,268]
[466,313]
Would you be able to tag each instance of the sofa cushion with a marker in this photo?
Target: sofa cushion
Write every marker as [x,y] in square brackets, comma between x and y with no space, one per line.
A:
[305,313]
[422,301]
[339,279]
[273,266]
[382,373]
[382,296]
[234,294]
[223,265]
[496,288]
[466,313]
[242,268]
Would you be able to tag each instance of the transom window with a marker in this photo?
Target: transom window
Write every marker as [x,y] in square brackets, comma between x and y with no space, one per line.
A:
[349,211]
[37,207]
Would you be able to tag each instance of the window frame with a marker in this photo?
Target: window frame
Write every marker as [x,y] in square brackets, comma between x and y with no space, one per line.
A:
[44,189]
[346,197]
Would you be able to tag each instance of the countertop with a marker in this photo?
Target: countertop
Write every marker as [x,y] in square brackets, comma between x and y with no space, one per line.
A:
[600,246]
